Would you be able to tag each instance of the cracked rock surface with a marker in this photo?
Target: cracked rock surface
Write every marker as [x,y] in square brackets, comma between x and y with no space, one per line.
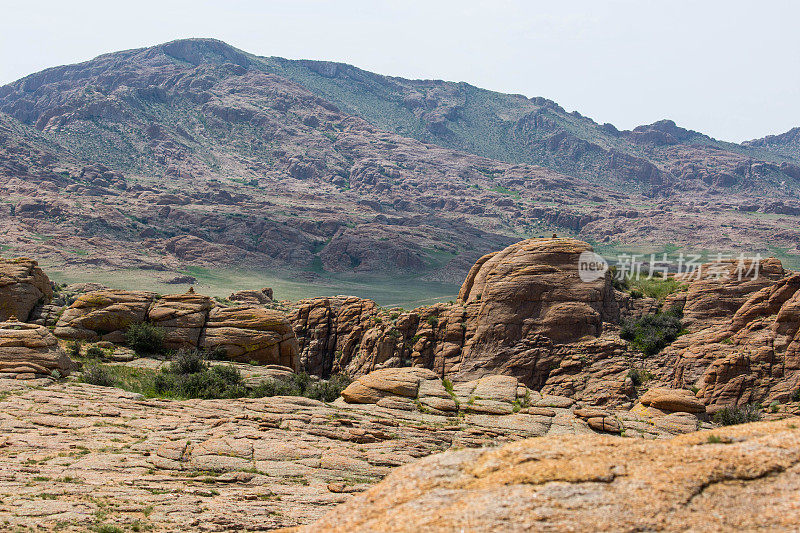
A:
[743,477]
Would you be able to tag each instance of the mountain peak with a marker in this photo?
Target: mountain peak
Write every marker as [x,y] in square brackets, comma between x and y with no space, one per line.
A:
[203,50]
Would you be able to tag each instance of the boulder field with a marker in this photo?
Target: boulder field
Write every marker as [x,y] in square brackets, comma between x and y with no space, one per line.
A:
[623,441]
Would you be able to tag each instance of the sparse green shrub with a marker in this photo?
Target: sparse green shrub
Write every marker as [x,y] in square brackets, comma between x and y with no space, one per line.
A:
[95,353]
[448,386]
[636,294]
[97,375]
[656,287]
[188,362]
[145,338]
[74,349]
[651,333]
[215,354]
[275,387]
[796,396]
[327,391]
[713,439]
[433,321]
[190,378]
[729,416]
[301,384]
[639,376]
[108,528]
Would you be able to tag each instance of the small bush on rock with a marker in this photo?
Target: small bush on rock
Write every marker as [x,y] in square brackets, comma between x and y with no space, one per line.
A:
[327,391]
[218,381]
[639,377]
[729,416]
[188,362]
[652,333]
[95,353]
[97,375]
[301,384]
[74,349]
[145,338]
[189,376]
[216,354]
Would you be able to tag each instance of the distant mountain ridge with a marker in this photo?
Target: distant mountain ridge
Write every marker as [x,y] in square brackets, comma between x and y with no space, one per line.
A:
[195,153]
[651,158]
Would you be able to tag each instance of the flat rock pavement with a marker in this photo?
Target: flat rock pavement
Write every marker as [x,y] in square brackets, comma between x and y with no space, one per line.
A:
[75,456]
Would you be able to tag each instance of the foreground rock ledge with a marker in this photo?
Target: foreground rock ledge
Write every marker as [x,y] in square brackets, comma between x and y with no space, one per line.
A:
[743,477]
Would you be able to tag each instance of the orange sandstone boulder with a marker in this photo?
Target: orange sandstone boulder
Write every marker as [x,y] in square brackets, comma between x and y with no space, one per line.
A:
[182,316]
[251,334]
[525,299]
[736,478]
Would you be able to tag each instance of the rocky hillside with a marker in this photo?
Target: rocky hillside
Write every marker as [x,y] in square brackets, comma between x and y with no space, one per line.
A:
[195,153]
[786,144]
[657,157]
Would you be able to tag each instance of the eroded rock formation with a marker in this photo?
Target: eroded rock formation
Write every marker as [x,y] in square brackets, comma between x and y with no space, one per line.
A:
[522,312]
[183,317]
[251,334]
[22,286]
[29,351]
[245,333]
[752,356]
[105,315]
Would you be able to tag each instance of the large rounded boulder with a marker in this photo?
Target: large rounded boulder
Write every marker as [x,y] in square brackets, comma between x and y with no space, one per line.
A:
[105,314]
[532,295]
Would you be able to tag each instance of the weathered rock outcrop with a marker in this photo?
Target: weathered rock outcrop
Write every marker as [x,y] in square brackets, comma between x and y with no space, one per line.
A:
[742,477]
[28,351]
[329,330]
[526,299]
[105,315]
[22,286]
[419,389]
[183,317]
[251,334]
[721,288]
[752,356]
[254,297]
[522,312]
[245,333]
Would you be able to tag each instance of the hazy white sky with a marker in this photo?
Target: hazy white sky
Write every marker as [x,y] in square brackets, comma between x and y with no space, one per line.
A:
[727,68]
